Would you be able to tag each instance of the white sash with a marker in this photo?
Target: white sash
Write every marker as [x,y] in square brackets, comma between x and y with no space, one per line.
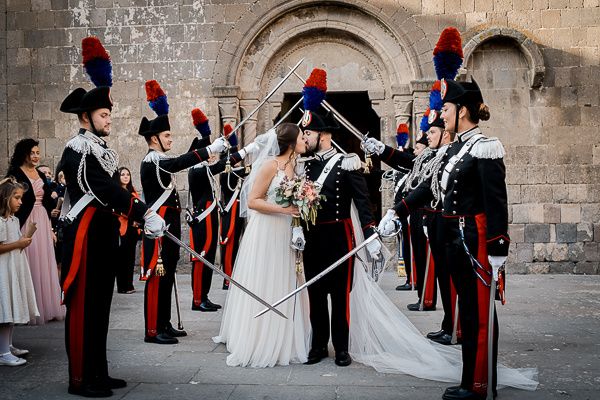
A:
[234,197]
[400,183]
[69,213]
[327,170]
[163,197]
[205,213]
[455,159]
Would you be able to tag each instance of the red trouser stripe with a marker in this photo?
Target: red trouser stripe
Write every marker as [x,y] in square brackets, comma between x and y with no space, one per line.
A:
[480,378]
[76,302]
[229,246]
[349,239]
[429,282]
[150,266]
[80,242]
[198,266]
[454,310]
[413,276]
[152,289]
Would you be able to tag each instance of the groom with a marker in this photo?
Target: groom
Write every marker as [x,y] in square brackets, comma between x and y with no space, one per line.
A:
[332,236]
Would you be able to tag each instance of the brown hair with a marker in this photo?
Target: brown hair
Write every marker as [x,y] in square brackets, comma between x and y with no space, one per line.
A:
[287,135]
[478,111]
[8,186]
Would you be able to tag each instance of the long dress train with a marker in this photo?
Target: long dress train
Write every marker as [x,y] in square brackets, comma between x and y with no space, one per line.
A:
[265,264]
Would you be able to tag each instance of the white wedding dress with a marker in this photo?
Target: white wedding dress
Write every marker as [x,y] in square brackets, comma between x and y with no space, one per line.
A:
[266,265]
[381,336]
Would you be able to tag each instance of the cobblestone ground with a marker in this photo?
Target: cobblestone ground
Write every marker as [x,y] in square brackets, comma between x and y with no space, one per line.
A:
[550,321]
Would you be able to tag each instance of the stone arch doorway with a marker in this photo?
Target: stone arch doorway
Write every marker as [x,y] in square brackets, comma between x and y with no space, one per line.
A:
[356,107]
[360,51]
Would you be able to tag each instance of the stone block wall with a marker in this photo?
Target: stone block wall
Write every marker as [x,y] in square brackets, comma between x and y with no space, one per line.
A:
[550,131]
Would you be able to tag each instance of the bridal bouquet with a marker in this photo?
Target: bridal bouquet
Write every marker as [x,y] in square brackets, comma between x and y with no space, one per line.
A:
[302,193]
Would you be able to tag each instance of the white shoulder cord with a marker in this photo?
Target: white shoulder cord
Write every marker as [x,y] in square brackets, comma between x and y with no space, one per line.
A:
[415,173]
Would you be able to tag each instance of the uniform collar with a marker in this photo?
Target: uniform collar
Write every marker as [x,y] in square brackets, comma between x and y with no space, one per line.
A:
[464,136]
[326,154]
[94,138]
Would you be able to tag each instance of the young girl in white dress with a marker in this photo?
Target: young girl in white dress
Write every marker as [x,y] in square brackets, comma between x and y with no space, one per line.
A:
[265,264]
[17,296]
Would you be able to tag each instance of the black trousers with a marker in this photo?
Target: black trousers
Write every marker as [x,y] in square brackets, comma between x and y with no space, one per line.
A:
[203,238]
[90,292]
[232,226]
[159,289]
[406,250]
[473,301]
[325,244]
[126,259]
[435,228]
[419,245]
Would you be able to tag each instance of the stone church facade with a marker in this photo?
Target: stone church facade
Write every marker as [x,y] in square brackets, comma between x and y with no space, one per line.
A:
[537,62]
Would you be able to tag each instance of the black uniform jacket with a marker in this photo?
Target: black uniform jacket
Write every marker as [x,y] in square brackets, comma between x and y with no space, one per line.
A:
[476,185]
[341,187]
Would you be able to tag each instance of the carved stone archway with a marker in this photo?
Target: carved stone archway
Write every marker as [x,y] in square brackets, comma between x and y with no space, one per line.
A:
[386,66]
[528,47]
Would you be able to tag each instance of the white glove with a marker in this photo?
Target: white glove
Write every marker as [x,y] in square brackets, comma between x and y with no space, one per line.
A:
[372,145]
[496,262]
[387,225]
[298,240]
[250,149]
[218,146]
[374,249]
[154,225]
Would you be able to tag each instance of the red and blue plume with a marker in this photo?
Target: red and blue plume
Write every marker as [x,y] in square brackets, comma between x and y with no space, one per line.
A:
[200,122]
[448,54]
[424,126]
[96,61]
[435,97]
[315,89]
[157,99]
[227,129]
[402,135]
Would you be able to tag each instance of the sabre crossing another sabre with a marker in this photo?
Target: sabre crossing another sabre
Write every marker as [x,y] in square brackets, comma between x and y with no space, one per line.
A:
[223,274]
[368,240]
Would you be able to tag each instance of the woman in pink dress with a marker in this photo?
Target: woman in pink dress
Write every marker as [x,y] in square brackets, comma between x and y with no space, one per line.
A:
[37,203]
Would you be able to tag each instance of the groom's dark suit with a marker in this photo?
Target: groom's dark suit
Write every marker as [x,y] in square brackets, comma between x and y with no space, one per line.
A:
[331,238]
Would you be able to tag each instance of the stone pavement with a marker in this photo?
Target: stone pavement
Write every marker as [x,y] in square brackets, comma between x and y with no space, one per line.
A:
[551,321]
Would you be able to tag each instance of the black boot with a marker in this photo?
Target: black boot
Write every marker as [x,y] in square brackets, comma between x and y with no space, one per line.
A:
[171,331]
[90,391]
[316,355]
[433,335]
[204,307]
[210,303]
[459,393]
[406,286]
[342,359]
[161,338]
[445,339]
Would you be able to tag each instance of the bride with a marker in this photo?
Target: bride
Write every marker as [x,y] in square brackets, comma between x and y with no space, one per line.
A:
[265,264]
[380,335]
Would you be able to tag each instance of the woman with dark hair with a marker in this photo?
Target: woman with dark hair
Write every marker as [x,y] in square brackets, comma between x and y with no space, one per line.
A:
[266,263]
[130,234]
[36,208]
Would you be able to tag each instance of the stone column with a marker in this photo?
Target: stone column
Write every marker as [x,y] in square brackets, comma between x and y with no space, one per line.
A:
[420,95]
[229,104]
[250,127]
[403,107]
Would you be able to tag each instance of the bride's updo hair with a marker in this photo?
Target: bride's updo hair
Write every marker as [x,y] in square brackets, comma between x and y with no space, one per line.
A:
[287,135]
[478,111]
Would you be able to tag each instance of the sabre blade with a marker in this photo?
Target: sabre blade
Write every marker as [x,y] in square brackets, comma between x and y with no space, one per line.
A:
[223,274]
[271,93]
[321,274]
